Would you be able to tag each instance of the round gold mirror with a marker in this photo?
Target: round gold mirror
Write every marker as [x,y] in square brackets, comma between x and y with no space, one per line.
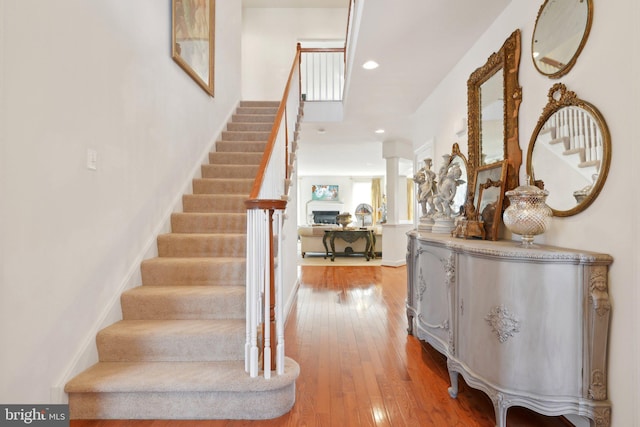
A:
[570,152]
[561,31]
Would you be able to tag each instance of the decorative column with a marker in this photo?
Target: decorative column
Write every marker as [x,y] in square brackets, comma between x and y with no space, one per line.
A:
[393,210]
[394,239]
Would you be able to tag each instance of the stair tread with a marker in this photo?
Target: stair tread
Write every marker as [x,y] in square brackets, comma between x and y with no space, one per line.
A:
[186,291]
[201,244]
[171,340]
[186,236]
[177,377]
[184,302]
[254,102]
[249,132]
[203,271]
[240,142]
[573,151]
[589,163]
[240,180]
[210,214]
[238,147]
[238,153]
[208,222]
[193,260]
[182,328]
[214,196]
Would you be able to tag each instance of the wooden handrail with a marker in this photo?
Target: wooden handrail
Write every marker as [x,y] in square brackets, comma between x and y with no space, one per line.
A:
[257,184]
[265,204]
[321,49]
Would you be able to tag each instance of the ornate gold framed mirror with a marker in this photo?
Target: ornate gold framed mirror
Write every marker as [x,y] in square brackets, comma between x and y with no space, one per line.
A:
[570,152]
[192,44]
[561,31]
[494,97]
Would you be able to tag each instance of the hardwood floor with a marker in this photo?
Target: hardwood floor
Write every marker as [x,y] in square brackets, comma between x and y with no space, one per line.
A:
[347,330]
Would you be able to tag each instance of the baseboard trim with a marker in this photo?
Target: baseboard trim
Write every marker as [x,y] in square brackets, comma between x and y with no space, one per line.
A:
[393,263]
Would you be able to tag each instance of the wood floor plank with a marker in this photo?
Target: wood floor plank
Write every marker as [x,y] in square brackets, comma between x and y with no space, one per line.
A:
[358,367]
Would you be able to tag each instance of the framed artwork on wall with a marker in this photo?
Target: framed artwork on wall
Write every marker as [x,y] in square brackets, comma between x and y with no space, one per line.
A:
[325,192]
[192,39]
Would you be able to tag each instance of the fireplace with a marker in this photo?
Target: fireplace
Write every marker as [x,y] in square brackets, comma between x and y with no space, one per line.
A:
[325,217]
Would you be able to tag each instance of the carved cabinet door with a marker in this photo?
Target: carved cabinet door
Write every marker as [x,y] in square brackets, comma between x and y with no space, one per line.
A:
[520,324]
[433,295]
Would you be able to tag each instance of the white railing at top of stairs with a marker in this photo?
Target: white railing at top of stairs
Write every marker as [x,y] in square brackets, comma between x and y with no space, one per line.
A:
[265,213]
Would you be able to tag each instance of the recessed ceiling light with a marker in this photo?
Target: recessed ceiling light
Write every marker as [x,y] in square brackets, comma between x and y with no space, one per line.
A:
[370,65]
[379,130]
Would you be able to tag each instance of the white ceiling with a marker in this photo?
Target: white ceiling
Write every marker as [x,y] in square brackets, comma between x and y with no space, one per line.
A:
[416,43]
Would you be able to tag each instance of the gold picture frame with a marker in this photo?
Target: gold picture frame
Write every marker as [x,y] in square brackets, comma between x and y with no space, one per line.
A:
[490,182]
[483,218]
[193,41]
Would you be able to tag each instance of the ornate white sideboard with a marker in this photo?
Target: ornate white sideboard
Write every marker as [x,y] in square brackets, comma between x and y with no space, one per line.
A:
[528,326]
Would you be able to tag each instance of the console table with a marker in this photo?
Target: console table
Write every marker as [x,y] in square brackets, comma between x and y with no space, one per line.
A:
[528,326]
[349,236]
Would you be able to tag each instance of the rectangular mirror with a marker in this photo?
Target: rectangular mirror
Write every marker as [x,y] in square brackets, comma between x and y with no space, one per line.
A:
[492,119]
[192,47]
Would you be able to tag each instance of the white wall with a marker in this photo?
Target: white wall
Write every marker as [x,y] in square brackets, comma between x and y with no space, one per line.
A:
[269,38]
[606,74]
[75,75]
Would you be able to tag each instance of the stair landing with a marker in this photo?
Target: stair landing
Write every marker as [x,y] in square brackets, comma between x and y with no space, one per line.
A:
[180,390]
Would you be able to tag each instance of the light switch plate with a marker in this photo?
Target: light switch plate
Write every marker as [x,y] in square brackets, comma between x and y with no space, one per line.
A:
[92,159]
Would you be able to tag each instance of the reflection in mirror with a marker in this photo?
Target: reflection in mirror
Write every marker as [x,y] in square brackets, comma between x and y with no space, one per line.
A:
[561,31]
[492,119]
[566,158]
[569,152]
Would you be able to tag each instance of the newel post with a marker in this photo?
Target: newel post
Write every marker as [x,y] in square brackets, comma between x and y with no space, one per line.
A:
[269,346]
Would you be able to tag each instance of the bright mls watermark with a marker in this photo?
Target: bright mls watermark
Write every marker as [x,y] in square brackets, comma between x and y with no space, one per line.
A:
[34,415]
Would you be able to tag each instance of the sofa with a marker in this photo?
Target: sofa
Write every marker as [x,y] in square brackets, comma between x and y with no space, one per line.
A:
[311,241]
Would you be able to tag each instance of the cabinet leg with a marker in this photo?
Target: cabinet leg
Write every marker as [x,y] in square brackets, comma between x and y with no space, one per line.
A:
[409,323]
[453,390]
[500,410]
[601,417]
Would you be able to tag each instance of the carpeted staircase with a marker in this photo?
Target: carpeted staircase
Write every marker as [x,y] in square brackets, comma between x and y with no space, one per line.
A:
[178,353]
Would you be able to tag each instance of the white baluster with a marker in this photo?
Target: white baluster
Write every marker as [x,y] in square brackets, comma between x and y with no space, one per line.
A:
[279,299]
[267,298]
[588,143]
[597,141]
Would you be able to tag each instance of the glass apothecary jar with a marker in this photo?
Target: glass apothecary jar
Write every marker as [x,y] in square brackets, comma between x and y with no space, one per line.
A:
[527,215]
